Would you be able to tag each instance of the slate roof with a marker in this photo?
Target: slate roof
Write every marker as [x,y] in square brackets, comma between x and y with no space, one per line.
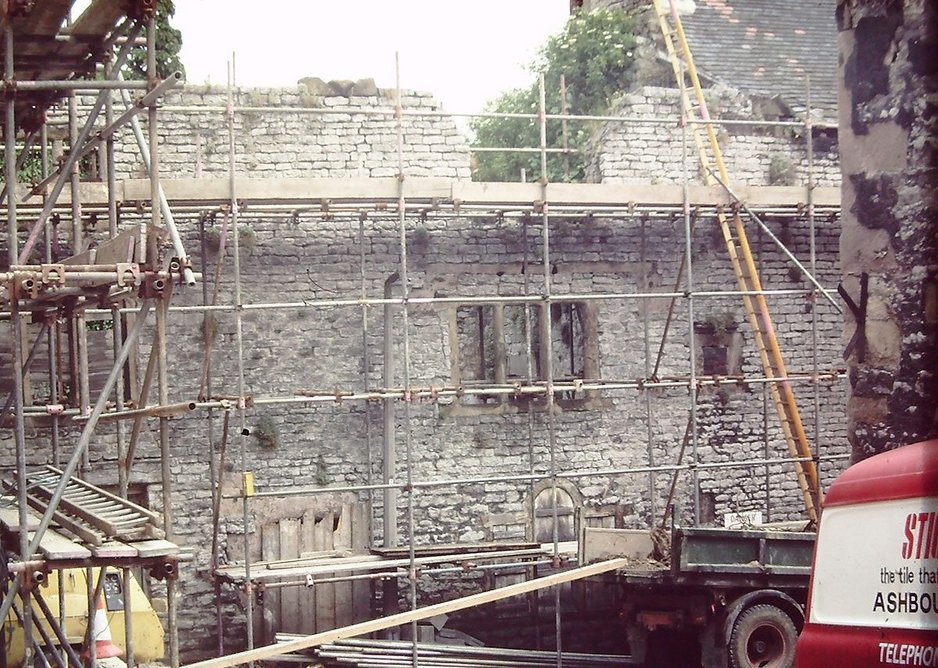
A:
[768,47]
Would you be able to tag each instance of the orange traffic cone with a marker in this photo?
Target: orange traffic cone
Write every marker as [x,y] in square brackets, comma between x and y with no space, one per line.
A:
[104,647]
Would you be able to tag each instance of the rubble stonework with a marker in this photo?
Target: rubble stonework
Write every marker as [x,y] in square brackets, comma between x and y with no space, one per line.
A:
[641,152]
[315,140]
[890,216]
[321,349]
[308,255]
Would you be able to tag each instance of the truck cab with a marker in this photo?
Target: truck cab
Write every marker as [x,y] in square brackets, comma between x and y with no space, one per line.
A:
[873,596]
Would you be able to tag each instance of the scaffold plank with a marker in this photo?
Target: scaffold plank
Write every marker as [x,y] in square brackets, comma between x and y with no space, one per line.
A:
[434,191]
[381,623]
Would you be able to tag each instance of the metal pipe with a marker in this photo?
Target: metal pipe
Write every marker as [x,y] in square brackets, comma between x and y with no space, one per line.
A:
[20,161]
[83,442]
[480,299]
[405,325]
[57,628]
[160,196]
[434,393]
[46,639]
[142,399]
[28,363]
[82,85]
[778,242]
[646,338]
[239,340]
[812,240]
[129,653]
[73,176]
[390,112]
[548,347]
[59,175]
[10,177]
[571,474]
[389,450]
[511,208]
[689,272]
[366,376]
[158,410]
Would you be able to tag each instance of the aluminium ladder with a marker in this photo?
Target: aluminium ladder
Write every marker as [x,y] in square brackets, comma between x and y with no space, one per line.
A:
[744,265]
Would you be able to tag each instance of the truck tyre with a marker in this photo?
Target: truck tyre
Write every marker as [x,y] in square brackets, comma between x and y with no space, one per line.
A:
[763,637]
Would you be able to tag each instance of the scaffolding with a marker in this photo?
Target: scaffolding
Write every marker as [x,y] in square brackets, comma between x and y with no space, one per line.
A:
[135,274]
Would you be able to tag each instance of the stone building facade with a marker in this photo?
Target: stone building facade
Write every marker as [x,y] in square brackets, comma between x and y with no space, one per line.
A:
[601,443]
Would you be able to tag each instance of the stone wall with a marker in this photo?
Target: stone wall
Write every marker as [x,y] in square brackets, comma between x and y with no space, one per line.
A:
[593,436]
[315,135]
[890,166]
[300,350]
[639,152]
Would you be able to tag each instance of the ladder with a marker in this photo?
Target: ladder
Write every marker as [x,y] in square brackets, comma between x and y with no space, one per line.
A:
[744,265]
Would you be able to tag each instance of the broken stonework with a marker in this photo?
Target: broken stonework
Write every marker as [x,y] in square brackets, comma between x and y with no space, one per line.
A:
[889,103]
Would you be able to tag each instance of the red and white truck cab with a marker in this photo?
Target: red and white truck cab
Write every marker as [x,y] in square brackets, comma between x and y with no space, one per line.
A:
[873,597]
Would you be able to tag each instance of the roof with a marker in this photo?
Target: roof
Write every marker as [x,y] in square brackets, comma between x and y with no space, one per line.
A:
[906,472]
[769,47]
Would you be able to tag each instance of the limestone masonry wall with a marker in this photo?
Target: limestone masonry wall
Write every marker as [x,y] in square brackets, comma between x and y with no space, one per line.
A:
[637,152]
[308,138]
[289,352]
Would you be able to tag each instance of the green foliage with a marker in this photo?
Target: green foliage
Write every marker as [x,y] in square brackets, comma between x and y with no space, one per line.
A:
[781,171]
[168,44]
[322,472]
[266,432]
[594,54]
[99,325]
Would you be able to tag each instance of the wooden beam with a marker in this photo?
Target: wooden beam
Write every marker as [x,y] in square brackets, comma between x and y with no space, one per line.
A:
[373,625]
[310,193]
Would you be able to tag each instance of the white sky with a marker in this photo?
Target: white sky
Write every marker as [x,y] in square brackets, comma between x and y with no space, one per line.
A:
[465,53]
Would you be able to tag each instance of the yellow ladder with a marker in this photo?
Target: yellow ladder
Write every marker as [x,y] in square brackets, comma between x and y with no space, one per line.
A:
[744,265]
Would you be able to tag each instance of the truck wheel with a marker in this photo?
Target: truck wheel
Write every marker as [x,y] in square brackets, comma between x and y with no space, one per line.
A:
[763,637]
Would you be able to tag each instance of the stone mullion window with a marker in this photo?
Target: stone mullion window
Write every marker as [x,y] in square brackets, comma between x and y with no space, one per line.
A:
[489,347]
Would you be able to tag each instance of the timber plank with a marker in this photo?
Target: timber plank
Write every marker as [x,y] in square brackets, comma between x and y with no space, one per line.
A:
[361,538]
[325,592]
[289,595]
[270,549]
[155,548]
[308,594]
[374,625]
[447,191]
[55,546]
[10,520]
[114,549]
[344,612]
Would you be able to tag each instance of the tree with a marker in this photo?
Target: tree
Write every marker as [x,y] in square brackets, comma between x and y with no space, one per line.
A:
[168,44]
[594,53]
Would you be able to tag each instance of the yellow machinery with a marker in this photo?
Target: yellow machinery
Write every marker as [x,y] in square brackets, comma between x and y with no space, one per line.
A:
[146,627]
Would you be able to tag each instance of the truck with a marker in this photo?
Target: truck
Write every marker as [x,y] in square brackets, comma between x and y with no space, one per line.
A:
[717,598]
[873,597]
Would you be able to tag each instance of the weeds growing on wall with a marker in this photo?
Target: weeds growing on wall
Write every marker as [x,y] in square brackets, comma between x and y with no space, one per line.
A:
[595,54]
